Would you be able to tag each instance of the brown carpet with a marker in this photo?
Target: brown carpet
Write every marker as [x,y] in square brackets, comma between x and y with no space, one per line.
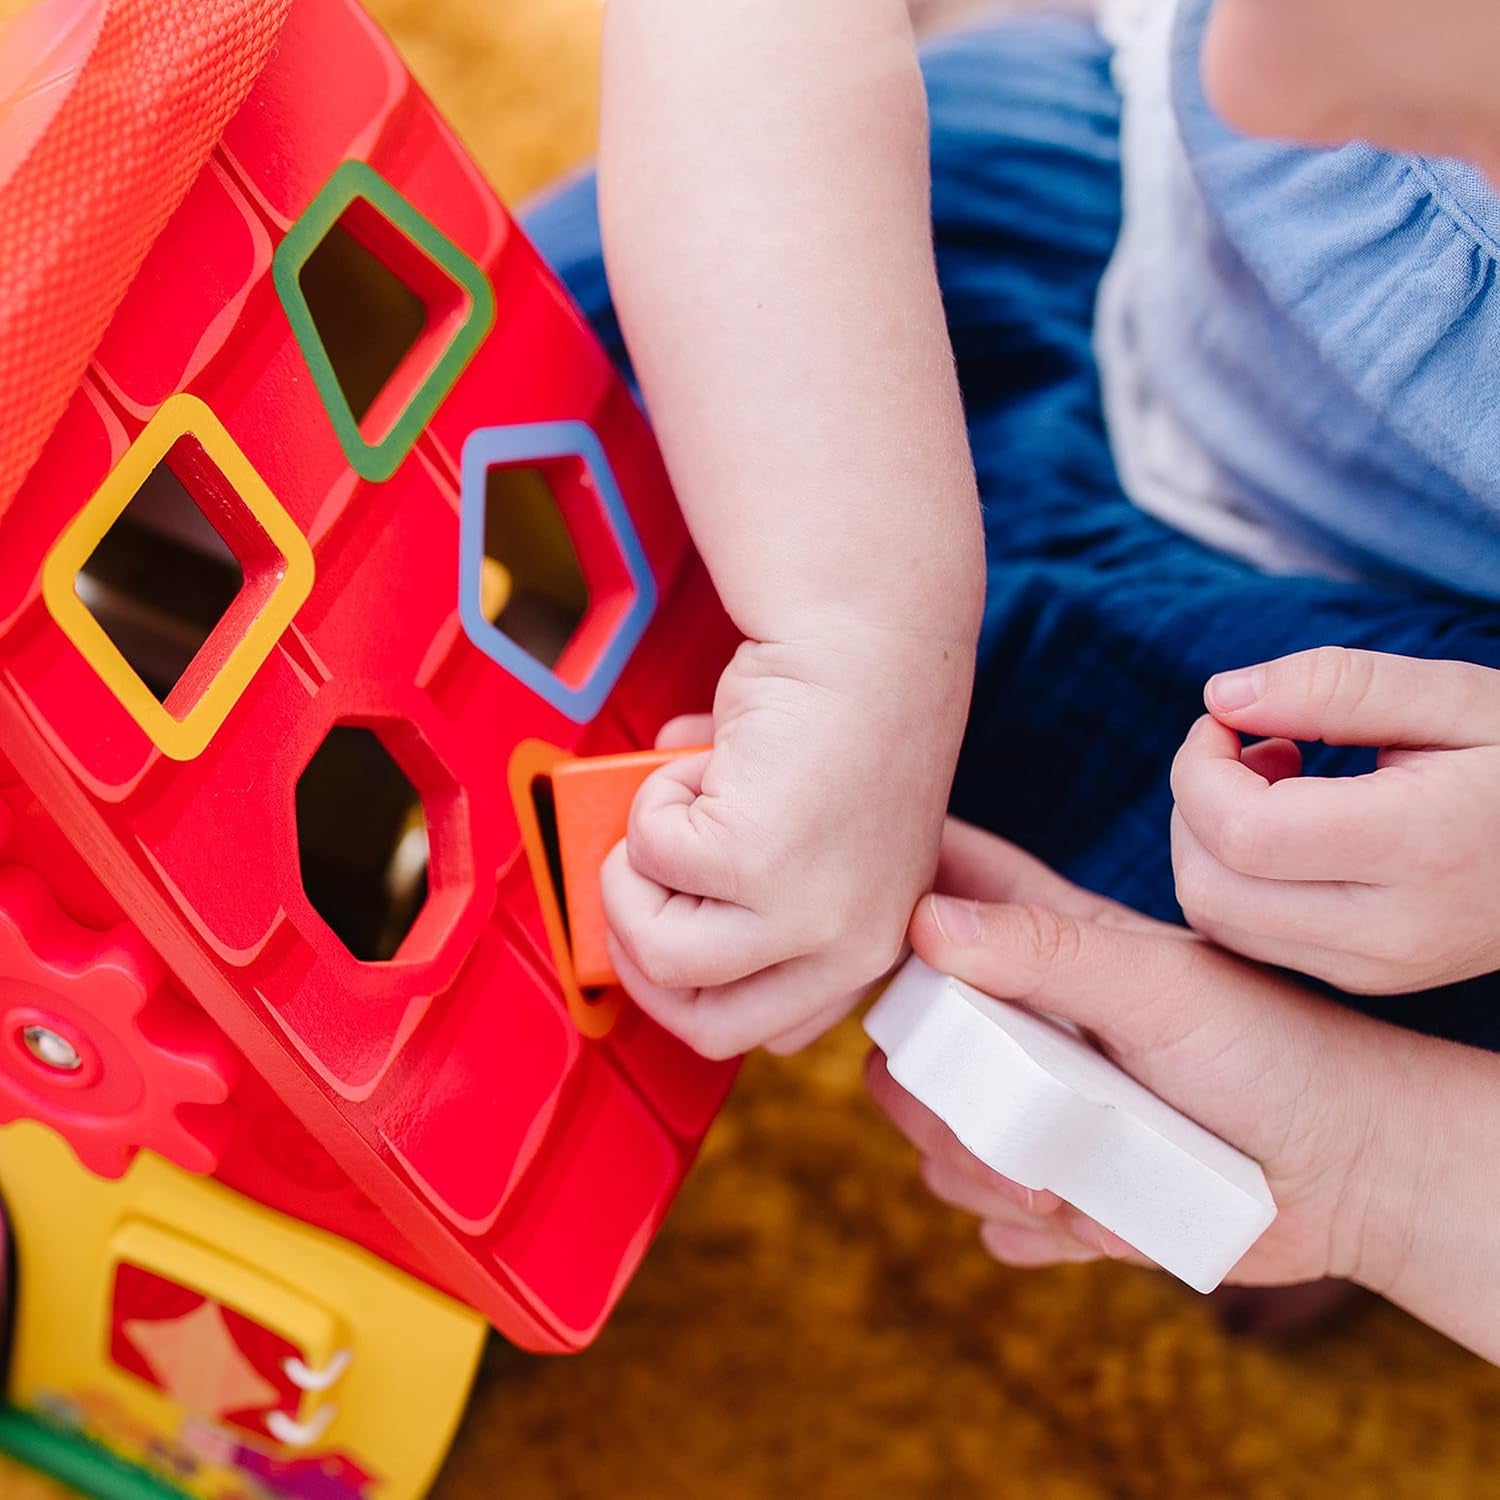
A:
[812,1327]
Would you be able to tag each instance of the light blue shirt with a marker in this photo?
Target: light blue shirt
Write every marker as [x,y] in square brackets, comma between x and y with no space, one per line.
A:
[1334,343]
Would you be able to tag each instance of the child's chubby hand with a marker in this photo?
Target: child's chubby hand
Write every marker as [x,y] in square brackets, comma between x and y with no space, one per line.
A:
[766,884]
[1379,884]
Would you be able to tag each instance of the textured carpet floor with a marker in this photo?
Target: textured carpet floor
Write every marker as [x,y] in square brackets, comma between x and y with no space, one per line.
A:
[810,1326]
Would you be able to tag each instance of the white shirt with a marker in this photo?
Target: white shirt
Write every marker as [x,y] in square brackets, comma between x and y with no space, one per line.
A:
[1162,465]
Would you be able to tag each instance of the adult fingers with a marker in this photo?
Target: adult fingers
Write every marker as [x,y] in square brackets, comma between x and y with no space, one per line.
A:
[934,1141]
[983,867]
[1033,1248]
[1127,984]
[946,1180]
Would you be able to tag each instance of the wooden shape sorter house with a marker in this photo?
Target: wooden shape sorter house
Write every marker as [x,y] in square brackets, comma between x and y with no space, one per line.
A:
[349,534]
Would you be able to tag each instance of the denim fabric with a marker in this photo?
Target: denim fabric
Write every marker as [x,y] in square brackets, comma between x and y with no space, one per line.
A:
[1101,624]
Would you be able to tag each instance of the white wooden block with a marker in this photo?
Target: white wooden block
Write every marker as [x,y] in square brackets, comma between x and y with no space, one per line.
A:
[1036,1103]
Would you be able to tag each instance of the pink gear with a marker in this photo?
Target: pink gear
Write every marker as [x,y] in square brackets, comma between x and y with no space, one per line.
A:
[95,1044]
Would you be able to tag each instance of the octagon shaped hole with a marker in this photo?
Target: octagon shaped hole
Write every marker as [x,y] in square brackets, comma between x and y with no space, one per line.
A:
[363,844]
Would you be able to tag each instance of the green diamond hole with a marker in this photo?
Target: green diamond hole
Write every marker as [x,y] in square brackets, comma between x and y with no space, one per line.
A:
[387,310]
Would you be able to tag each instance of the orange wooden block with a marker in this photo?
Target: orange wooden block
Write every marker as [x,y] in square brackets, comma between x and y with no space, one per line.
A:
[591,801]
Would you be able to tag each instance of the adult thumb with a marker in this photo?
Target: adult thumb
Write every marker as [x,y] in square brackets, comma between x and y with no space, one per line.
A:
[1133,987]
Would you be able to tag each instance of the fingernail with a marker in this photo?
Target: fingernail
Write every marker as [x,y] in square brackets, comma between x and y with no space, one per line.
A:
[957,921]
[1234,690]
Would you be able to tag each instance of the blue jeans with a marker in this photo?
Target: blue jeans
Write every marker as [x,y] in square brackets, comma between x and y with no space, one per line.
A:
[1101,624]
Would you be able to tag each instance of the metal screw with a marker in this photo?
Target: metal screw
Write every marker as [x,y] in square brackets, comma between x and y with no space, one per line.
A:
[51,1050]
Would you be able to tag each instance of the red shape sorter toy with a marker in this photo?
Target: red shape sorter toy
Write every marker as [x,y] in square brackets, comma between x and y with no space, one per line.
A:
[348,533]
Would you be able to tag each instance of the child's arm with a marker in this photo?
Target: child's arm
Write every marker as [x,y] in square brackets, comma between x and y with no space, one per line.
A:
[1381,884]
[764,197]
[1378,1144]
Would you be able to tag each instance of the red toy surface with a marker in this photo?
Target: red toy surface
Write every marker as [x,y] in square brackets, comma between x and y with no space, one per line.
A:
[441,1107]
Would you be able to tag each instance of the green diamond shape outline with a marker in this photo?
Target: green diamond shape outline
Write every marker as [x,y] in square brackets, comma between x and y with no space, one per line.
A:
[357,179]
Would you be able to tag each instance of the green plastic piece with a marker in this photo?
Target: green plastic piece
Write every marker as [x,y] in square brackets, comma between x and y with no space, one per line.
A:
[355,179]
[74,1460]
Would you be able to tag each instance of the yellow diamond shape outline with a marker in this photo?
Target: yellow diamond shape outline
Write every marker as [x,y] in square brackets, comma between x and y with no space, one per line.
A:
[179,416]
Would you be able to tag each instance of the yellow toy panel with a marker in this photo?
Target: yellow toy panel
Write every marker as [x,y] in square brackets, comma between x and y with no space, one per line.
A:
[233,1353]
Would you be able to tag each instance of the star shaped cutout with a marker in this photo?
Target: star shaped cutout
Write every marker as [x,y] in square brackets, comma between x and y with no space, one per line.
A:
[198,1364]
